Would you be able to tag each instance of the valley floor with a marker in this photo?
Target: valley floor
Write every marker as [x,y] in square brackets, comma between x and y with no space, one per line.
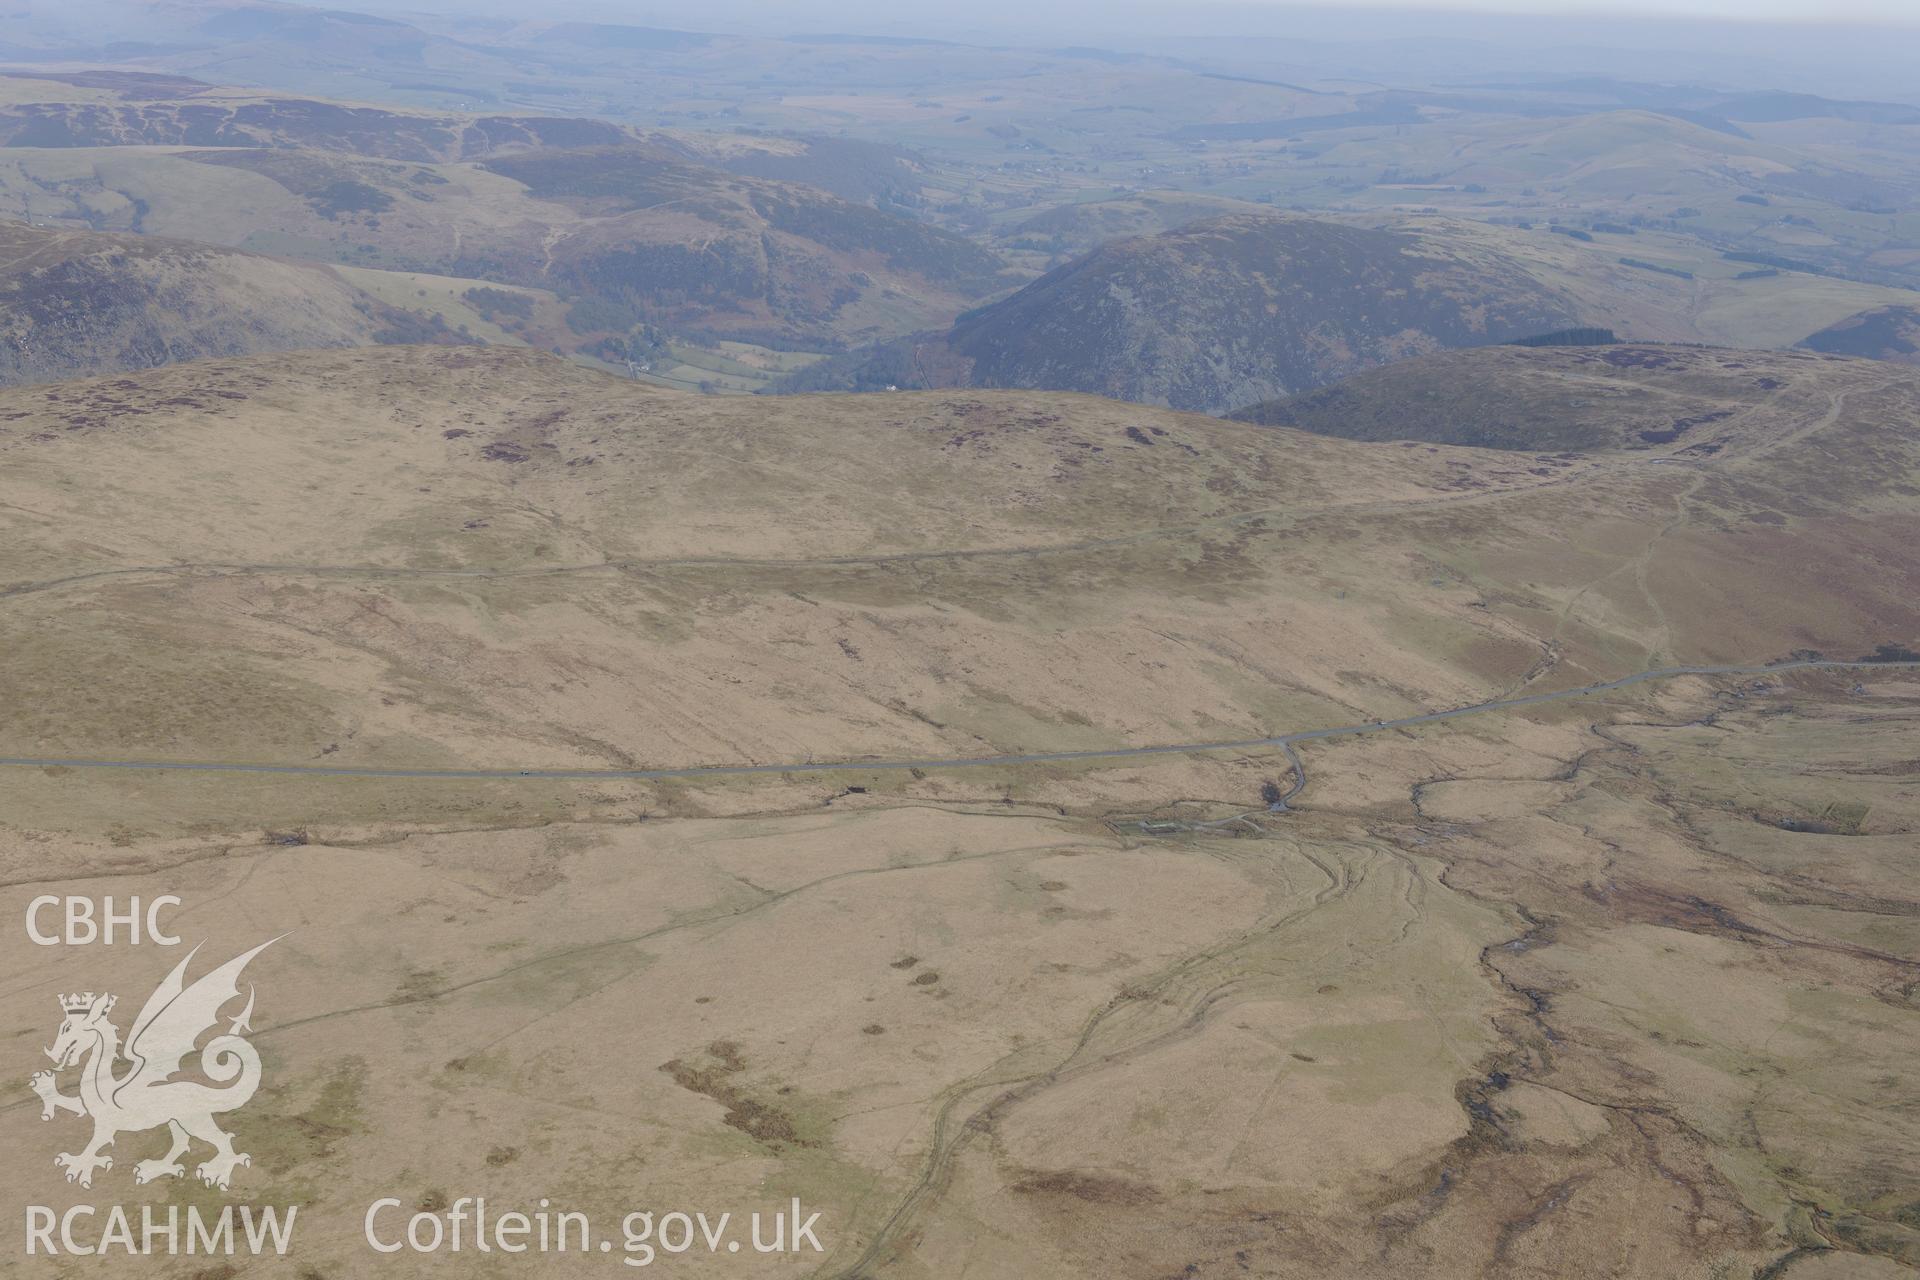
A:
[1533,994]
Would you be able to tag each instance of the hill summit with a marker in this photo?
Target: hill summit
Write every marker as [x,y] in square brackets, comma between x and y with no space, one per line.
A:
[1247,307]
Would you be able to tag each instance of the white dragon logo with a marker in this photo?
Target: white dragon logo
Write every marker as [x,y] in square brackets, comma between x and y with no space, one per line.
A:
[146,1095]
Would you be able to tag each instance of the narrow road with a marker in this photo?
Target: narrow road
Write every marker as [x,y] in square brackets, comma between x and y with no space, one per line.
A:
[1290,515]
[1285,741]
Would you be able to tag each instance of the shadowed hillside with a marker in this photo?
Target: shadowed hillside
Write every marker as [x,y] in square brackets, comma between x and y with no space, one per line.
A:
[653,228]
[687,243]
[1883,333]
[76,303]
[1616,396]
[1240,308]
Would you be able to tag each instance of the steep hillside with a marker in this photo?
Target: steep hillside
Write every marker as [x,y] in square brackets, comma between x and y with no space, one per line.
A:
[1882,333]
[1622,396]
[687,244]
[77,303]
[1242,308]
[668,243]
[658,230]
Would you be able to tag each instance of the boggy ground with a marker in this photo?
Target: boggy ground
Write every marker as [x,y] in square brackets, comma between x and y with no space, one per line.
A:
[1564,995]
[1623,985]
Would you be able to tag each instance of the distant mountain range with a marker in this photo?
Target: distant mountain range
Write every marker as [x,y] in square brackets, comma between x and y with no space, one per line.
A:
[707,236]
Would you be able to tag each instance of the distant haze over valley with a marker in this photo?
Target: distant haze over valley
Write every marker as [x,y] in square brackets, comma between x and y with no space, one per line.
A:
[857,641]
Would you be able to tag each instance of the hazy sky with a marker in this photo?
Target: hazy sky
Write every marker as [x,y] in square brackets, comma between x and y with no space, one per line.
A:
[1898,11]
[801,13]
[1841,48]
[1088,20]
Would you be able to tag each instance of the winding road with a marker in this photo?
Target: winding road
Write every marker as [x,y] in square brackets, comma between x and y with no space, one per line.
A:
[1285,741]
